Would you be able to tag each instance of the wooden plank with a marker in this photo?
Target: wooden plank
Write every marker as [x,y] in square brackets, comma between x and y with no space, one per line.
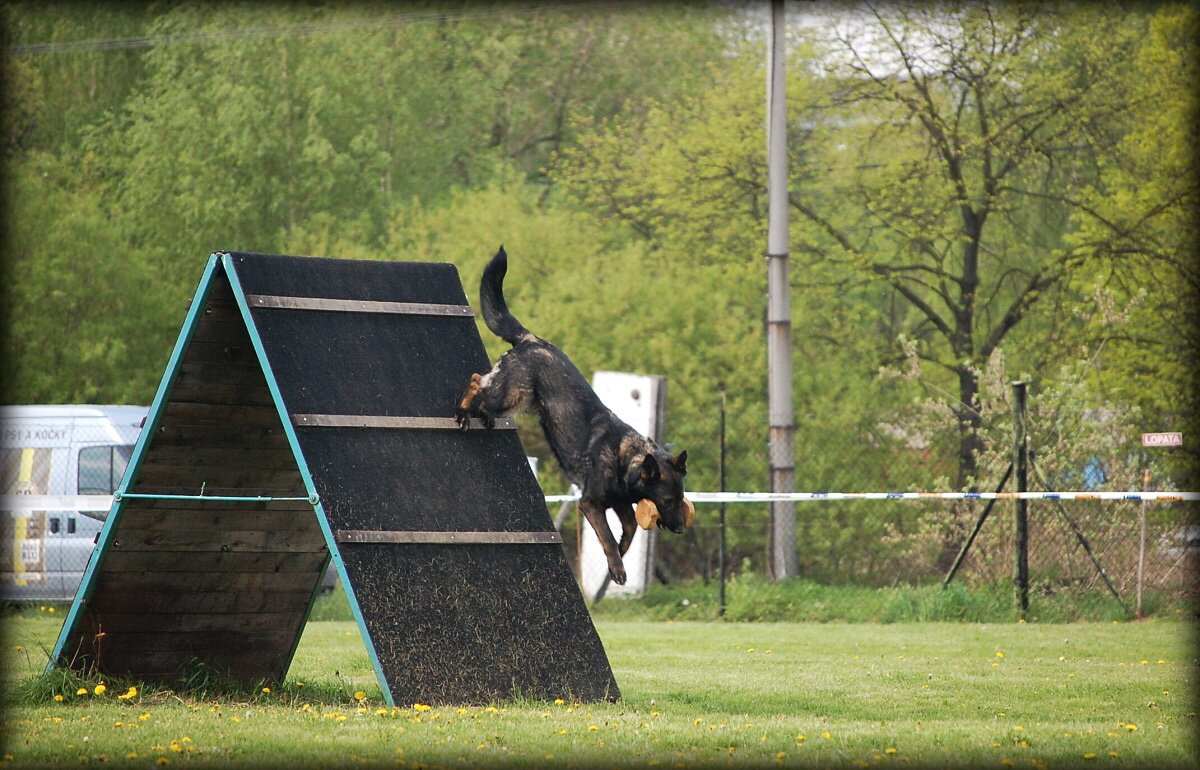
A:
[266,622]
[200,582]
[222,541]
[218,644]
[222,372]
[189,413]
[221,327]
[154,478]
[266,301]
[181,599]
[232,436]
[226,517]
[278,457]
[221,351]
[243,392]
[391,422]
[305,562]
[165,664]
[446,538]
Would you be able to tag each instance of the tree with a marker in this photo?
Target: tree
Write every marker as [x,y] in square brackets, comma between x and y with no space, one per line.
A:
[1137,220]
[957,120]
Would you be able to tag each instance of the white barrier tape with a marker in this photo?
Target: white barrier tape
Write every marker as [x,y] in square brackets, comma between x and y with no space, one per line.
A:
[104,502]
[55,502]
[800,497]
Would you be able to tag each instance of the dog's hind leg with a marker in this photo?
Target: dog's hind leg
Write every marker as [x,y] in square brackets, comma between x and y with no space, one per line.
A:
[462,412]
[628,526]
[595,515]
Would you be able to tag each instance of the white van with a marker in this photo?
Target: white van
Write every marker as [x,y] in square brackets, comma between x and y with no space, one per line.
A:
[58,450]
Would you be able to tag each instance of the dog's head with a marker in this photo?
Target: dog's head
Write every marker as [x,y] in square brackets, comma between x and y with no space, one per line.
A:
[660,483]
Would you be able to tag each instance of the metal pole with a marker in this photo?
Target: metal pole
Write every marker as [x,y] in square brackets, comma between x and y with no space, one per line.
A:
[779,313]
[1021,509]
[721,535]
[1142,545]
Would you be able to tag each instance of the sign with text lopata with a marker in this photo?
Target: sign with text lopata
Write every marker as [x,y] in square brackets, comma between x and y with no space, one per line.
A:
[1162,439]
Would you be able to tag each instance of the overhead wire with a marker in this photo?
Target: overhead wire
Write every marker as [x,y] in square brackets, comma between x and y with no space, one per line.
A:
[300,29]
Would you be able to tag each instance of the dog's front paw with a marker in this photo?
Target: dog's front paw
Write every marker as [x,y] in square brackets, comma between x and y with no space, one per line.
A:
[617,573]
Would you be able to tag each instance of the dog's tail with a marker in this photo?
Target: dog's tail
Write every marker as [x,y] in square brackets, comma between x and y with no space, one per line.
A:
[491,302]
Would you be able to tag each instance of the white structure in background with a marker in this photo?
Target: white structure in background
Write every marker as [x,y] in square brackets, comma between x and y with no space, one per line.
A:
[640,400]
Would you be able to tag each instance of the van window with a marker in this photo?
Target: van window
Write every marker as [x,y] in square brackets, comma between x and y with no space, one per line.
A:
[101,468]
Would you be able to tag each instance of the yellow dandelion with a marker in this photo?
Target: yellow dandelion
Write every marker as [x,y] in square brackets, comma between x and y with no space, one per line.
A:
[559,702]
[360,695]
[593,727]
[58,698]
[131,693]
[421,707]
[890,750]
[999,655]
[825,735]
[1089,755]
[267,690]
[100,688]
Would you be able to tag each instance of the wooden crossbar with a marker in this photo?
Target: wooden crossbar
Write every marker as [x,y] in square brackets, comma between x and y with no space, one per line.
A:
[446,538]
[356,305]
[396,423]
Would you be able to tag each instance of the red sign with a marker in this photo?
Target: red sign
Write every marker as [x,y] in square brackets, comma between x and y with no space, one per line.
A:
[1162,439]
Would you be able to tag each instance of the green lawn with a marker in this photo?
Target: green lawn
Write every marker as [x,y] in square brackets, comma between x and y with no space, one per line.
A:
[1030,695]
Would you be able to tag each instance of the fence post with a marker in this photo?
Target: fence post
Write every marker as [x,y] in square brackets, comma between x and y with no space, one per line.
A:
[1021,510]
[1141,564]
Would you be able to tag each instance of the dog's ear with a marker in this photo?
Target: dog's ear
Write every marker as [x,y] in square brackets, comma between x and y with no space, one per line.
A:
[689,512]
[646,514]
[650,471]
[679,463]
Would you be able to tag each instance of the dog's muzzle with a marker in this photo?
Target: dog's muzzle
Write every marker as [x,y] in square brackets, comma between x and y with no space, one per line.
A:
[647,514]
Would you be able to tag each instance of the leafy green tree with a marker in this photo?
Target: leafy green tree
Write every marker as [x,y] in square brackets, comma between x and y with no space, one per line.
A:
[1137,220]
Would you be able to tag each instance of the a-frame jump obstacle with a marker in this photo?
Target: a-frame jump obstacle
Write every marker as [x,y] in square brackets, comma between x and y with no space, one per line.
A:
[306,415]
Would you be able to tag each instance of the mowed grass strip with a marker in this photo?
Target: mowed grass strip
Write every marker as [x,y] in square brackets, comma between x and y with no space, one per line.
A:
[736,694]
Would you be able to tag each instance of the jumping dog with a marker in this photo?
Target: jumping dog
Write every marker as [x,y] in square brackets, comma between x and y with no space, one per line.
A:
[614,465]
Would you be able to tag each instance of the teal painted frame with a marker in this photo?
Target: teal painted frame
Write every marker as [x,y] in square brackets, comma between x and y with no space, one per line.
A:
[135,460]
[217,262]
[239,295]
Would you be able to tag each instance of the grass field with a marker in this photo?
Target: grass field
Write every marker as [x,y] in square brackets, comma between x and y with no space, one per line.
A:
[719,694]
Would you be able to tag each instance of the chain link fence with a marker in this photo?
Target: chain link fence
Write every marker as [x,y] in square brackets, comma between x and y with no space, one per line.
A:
[58,451]
[1080,546]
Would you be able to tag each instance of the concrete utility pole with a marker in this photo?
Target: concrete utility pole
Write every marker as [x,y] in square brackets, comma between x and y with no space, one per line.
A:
[779,308]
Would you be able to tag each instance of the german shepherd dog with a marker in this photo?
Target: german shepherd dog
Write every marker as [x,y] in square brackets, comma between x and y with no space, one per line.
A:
[613,465]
